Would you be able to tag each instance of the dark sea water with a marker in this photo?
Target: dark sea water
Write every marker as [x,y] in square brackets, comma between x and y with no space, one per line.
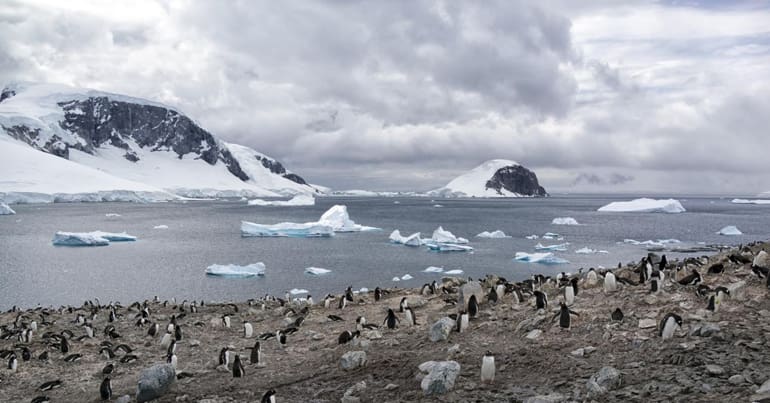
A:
[171,262]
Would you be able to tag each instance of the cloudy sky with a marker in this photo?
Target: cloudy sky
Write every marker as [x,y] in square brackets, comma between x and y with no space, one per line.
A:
[666,96]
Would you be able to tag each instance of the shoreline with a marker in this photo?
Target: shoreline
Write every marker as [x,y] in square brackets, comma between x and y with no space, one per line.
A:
[728,364]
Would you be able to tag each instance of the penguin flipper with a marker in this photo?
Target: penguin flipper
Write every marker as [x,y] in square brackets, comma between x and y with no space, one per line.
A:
[573,312]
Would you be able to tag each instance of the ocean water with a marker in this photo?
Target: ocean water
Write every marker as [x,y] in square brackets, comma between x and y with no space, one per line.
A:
[171,262]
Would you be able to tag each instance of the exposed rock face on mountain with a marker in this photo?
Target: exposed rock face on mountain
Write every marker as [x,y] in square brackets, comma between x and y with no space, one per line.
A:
[494,178]
[128,135]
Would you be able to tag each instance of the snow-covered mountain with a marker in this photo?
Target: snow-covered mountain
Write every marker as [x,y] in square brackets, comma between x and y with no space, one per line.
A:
[494,178]
[61,139]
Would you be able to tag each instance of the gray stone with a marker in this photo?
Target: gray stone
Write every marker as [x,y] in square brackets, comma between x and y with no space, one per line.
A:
[578,353]
[549,398]
[736,379]
[709,329]
[372,334]
[124,399]
[356,389]
[350,399]
[765,388]
[647,323]
[762,260]
[441,329]
[608,378]
[391,386]
[527,325]
[441,378]
[534,334]
[714,369]
[454,349]
[706,388]
[154,382]
[353,359]
[736,289]
[465,292]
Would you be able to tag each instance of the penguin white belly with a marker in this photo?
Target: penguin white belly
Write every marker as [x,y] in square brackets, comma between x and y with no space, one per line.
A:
[669,328]
[488,369]
[569,295]
[591,278]
[248,330]
[463,322]
[609,283]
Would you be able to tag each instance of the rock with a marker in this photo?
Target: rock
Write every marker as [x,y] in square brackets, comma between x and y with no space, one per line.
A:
[454,349]
[372,334]
[736,379]
[706,388]
[534,334]
[441,329]
[549,398]
[695,330]
[361,343]
[530,324]
[714,369]
[465,292]
[195,343]
[441,378]
[765,388]
[736,289]
[427,366]
[154,382]
[516,179]
[350,399]
[647,323]
[124,399]
[608,378]
[762,260]
[709,329]
[589,350]
[391,386]
[353,359]
[578,353]
[356,389]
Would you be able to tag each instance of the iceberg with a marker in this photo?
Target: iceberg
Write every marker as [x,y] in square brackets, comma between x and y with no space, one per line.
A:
[286,229]
[493,234]
[337,217]
[115,236]
[542,258]
[645,205]
[112,215]
[162,226]
[231,270]
[441,235]
[533,236]
[562,247]
[433,269]
[751,201]
[564,221]
[317,271]
[589,251]
[411,240]
[295,291]
[448,247]
[406,277]
[551,235]
[298,200]
[6,210]
[396,279]
[454,272]
[438,206]
[659,242]
[94,238]
[730,230]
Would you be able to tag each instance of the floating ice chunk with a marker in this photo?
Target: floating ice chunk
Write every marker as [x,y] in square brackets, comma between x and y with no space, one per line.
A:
[298,200]
[562,247]
[406,277]
[533,236]
[317,271]
[441,235]
[433,269]
[438,205]
[396,279]
[79,239]
[337,217]
[6,209]
[551,235]
[411,240]
[454,272]
[286,229]
[589,251]
[115,236]
[112,215]
[231,270]
[493,234]
[363,290]
[659,242]
[730,230]
[564,221]
[396,202]
[751,201]
[295,291]
[162,226]
[645,205]
[542,258]
[448,247]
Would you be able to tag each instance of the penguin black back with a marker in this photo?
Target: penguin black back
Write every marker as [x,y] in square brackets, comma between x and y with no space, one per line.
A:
[473,306]
[105,389]
[617,314]
[391,320]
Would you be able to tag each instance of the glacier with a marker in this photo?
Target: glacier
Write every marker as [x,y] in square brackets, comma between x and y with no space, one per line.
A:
[730,230]
[645,205]
[494,234]
[564,221]
[562,247]
[231,270]
[411,240]
[542,258]
[299,200]
[94,238]
[286,229]
[317,271]
[6,210]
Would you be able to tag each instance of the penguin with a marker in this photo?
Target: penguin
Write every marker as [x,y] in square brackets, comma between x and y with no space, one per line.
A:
[268,397]
[26,355]
[328,300]
[541,300]
[153,330]
[663,264]
[248,330]
[462,322]
[645,269]
[349,293]
[391,320]
[591,278]
[347,336]
[403,304]
[617,315]
[668,325]
[377,294]
[343,303]
[309,300]
[716,268]
[13,363]
[500,290]
[41,399]
[43,356]
[178,332]
[226,320]
[360,323]
[64,346]
[609,283]
[281,336]
[238,370]
[256,354]
[492,296]
[655,282]
[224,356]
[112,317]
[564,316]
[411,319]
[702,290]
[692,279]
[108,369]
[50,385]
[473,307]
[128,358]
[89,330]
[105,389]
[488,368]
[171,347]
[73,357]
[712,305]
[425,290]
[574,284]
[165,341]
[569,294]
[517,297]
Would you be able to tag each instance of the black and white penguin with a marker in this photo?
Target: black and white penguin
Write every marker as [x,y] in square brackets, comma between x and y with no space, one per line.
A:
[328,300]
[541,300]
[13,363]
[281,337]
[347,336]
[668,325]
[226,320]
[64,345]
[691,279]
[248,330]
[268,397]
[462,322]
[569,293]
[108,369]
[256,354]
[153,330]
[488,368]
[411,319]
[645,270]
[224,356]
[564,316]
[617,315]
[178,332]
[89,330]
[343,303]
[391,320]
[492,296]
[349,293]
[591,278]
[309,300]
[473,307]
[50,385]
[609,282]
[26,355]
[171,347]
[166,340]
[40,399]
[702,290]
[655,282]
[360,323]
[105,389]
[335,318]
[425,290]
[238,370]
[403,304]
[377,294]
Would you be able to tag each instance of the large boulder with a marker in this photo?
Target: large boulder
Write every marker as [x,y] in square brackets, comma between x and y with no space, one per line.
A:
[465,292]
[762,260]
[154,382]
[441,377]
[441,329]
[353,359]
[608,378]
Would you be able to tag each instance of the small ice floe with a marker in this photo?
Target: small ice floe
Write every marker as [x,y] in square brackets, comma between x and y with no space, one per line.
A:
[750,201]
[454,272]
[406,277]
[232,270]
[644,205]
[396,279]
[552,235]
[396,202]
[730,230]
[112,215]
[533,236]
[94,238]
[562,247]
[296,291]
[317,271]
[438,206]
[449,247]
[650,242]
[589,251]
[441,235]
[363,290]
[564,221]
[411,240]
[494,234]
[433,269]
[542,258]
[6,209]
[162,226]
[336,219]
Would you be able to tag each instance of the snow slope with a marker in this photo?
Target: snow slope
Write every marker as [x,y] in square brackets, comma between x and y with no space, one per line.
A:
[472,183]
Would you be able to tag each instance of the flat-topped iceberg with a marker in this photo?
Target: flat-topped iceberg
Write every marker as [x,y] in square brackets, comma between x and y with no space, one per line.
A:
[298,200]
[560,247]
[564,221]
[454,272]
[296,291]
[6,210]
[232,270]
[411,240]
[448,247]
[730,230]
[494,234]
[440,235]
[337,217]
[317,271]
[750,201]
[552,235]
[433,269]
[94,238]
[286,229]
[533,236]
[542,258]
[589,251]
[645,205]
[162,226]
[650,242]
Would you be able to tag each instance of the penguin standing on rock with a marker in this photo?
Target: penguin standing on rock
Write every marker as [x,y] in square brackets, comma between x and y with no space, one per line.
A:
[224,356]
[541,300]
[391,320]
[105,389]
[564,316]
[403,304]
[488,368]
[256,354]
[668,325]
[473,307]
[692,279]
[248,330]
[238,370]
[377,294]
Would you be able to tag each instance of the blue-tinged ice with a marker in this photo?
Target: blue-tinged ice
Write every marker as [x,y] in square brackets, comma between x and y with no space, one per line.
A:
[492,234]
[317,271]
[433,269]
[562,247]
[448,247]
[730,230]
[6,209]
[95,238]
[286,229]
[411,240]
[440,235]
[337,217]
[542,258]
[115,236]
[297,291]
[232,270]
[588,251]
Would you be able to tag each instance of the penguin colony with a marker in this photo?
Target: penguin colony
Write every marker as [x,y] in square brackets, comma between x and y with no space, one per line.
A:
[95,334]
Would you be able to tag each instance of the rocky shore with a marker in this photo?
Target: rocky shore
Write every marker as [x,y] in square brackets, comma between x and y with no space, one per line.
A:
[714,356]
